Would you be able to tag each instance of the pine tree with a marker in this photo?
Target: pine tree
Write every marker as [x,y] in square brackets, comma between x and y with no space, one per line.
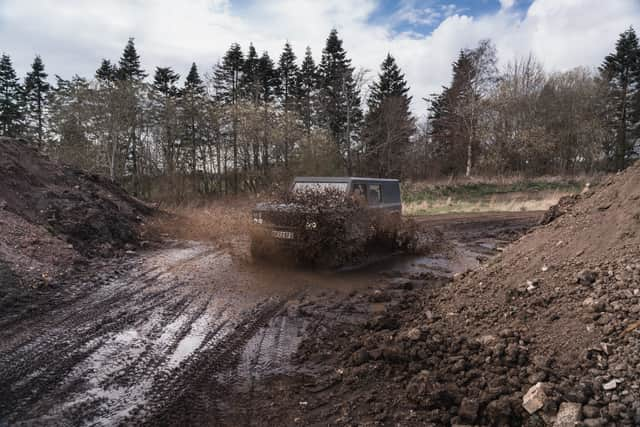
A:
[130,76]
[307,90]
[621,71]
[227,77]
[287,71]
[164,81]
[193,82]
[250,81]
[268,87]
[107,72]
[268,78]
[340,97]
[35,95]
[192,106]
[11,99]
[448,131]
[129,67]
[164,98]
[389,124]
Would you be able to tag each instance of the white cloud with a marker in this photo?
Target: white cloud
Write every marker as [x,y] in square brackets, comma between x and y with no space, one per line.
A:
[73,36]
[507,4]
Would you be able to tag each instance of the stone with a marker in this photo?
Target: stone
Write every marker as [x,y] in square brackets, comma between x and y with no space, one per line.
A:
[535,398]
[414,334]
[359,357]
[400,283]
[593,422]
[568,415]
[616,409]
[586,277]
[590,411]
[468,410]
[611,385]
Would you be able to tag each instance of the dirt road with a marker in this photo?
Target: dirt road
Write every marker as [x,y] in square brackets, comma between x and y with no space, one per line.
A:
[166,336]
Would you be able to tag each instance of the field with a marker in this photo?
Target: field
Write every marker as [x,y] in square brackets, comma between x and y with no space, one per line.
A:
[488,195]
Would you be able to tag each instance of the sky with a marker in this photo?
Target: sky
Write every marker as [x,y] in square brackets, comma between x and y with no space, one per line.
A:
[424,36]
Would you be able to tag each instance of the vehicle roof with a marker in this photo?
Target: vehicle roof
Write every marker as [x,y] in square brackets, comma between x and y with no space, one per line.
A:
[339,179]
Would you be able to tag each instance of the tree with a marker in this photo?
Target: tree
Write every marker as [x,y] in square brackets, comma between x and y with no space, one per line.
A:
[130,76]
[340,97]
[129,67]
[11,99]
[165,80]
[35,95]
[461,110]
[621,72]
[164,115]
[268,78]
[250,81]
[227,77]
[307,85]
[287,72]
[107,72]
[389,124]
[70,119]
[193,105]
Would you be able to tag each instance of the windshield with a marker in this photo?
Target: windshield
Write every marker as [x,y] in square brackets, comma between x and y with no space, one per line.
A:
[319,186]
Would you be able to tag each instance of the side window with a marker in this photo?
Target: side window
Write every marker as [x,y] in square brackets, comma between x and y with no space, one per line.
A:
[374,194]
[360,191]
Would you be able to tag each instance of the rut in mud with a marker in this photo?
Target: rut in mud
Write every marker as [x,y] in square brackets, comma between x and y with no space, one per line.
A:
[170,336]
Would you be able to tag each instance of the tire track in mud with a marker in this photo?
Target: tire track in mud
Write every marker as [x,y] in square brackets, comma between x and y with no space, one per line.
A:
[193,393]
[33,370]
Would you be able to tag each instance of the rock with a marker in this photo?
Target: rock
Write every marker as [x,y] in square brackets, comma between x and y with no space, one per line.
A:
[414,334]
[611,385]
[468,410]
[487,340]
[594,422]
[359,357]
[616,409]
[569,414]
[400,283]
[586,277]
[590,411]
[535,398]
[379,296]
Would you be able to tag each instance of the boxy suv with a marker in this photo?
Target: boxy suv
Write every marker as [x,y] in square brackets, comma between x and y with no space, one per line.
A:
[313,226]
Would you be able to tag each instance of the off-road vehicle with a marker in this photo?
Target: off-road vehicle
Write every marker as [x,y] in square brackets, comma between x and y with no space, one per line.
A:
[328,220]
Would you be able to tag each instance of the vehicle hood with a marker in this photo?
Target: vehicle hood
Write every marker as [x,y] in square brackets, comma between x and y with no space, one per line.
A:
[285,214]
[293,208]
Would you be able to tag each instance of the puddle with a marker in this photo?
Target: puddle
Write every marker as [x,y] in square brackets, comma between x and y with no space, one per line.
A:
[190,343]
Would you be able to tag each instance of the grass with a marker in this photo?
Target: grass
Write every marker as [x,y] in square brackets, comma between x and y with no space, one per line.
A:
[493,195]
[224,221]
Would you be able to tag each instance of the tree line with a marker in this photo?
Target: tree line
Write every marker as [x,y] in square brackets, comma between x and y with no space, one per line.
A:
[524,120]
[253,121]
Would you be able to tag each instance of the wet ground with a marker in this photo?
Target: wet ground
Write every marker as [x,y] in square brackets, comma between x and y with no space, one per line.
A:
[166,336]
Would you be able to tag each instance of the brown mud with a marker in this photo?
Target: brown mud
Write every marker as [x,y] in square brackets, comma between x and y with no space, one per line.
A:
[191,334]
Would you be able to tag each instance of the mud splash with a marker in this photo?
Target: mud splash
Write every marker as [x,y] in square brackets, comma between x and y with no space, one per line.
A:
[168,336]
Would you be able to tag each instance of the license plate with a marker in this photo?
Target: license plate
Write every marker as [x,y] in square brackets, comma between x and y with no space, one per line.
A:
[288,235]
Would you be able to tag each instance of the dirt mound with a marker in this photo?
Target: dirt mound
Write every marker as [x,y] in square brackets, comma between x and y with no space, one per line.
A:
[52,215]
[560,309]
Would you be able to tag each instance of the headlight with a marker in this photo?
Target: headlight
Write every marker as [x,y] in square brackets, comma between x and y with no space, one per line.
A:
[311,225]
[257,218]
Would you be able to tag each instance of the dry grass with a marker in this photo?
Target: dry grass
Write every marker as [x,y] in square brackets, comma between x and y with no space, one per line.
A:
[225,221]
[495,203]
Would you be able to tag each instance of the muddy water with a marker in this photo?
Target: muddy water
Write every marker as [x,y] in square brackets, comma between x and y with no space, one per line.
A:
[164,337]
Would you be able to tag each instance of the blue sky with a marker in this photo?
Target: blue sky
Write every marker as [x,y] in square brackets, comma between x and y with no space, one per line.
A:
[422,17]
[425,36]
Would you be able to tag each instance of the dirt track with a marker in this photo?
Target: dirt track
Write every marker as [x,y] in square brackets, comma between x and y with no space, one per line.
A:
[166,336]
